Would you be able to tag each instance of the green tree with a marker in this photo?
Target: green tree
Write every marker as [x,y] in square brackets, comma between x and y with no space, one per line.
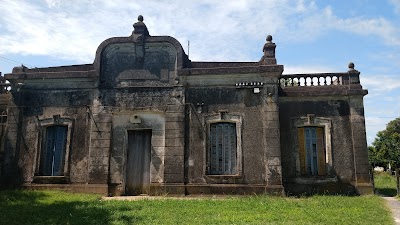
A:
[374,158]
[386,147]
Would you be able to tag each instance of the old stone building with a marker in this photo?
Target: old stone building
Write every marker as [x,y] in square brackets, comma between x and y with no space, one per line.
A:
[144,119]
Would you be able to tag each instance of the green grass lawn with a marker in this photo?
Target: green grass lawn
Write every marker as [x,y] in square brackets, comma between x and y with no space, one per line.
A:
[385,184]
[51,207]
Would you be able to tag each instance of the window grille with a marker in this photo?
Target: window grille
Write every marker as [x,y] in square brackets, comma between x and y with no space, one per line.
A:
[222,149]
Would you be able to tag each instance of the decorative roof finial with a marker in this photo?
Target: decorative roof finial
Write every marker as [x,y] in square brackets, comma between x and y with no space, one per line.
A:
[269,39]
[269,52]
[353,75]
[140,29]
[351,66]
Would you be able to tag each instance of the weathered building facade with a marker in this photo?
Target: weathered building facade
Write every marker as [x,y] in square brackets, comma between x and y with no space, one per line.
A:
[144,119]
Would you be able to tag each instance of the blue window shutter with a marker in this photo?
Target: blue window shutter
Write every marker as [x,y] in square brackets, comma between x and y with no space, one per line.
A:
[233,150]
[308,150]
[53,151]
[59,149]
[218,150]
[47,152]
[311,150]
[213,150]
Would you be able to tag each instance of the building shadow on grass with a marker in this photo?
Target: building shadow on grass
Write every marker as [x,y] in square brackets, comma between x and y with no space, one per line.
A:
[386,192]
[29,207]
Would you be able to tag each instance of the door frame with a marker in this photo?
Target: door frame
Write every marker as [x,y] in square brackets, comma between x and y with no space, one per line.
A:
[126,150]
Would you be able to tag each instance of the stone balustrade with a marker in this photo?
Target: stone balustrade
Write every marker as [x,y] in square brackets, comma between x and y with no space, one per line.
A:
[321,79]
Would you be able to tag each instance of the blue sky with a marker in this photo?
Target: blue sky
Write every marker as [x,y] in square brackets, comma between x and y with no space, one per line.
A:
[311,36]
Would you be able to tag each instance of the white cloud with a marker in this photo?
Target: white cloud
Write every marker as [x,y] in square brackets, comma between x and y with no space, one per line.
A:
[316,22]
[378,26]
[73,30]
[222,30]
[36,29]
[396,5]
[382,104]
[53,3]
[373,125]
[218,30]
[380,83]
[290,69]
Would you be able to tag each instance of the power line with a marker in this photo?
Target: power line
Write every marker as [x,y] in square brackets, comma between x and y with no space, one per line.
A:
[15,61]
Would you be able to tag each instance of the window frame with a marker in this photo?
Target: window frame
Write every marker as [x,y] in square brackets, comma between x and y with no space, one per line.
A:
[55,132]
[316,168]
[223,117]
[43,125]
[312,121]
[223,151]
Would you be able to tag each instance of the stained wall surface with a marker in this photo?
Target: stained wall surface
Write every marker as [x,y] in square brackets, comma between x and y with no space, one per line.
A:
[144,82]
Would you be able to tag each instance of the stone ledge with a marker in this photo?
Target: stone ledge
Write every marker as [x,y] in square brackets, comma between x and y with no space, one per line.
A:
[101,189]
[88,74]
[50,180]
[167,189]
[301,91]
[225,179]
[234,189]
[241,69]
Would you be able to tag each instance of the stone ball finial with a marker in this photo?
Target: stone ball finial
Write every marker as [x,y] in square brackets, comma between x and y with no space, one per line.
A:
[140,18]
[269,52]
[269,38]
[351,66]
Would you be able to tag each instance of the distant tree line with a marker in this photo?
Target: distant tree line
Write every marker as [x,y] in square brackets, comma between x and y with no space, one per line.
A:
[385,150]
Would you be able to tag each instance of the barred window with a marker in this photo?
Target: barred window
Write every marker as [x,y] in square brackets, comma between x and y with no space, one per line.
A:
[222,154]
